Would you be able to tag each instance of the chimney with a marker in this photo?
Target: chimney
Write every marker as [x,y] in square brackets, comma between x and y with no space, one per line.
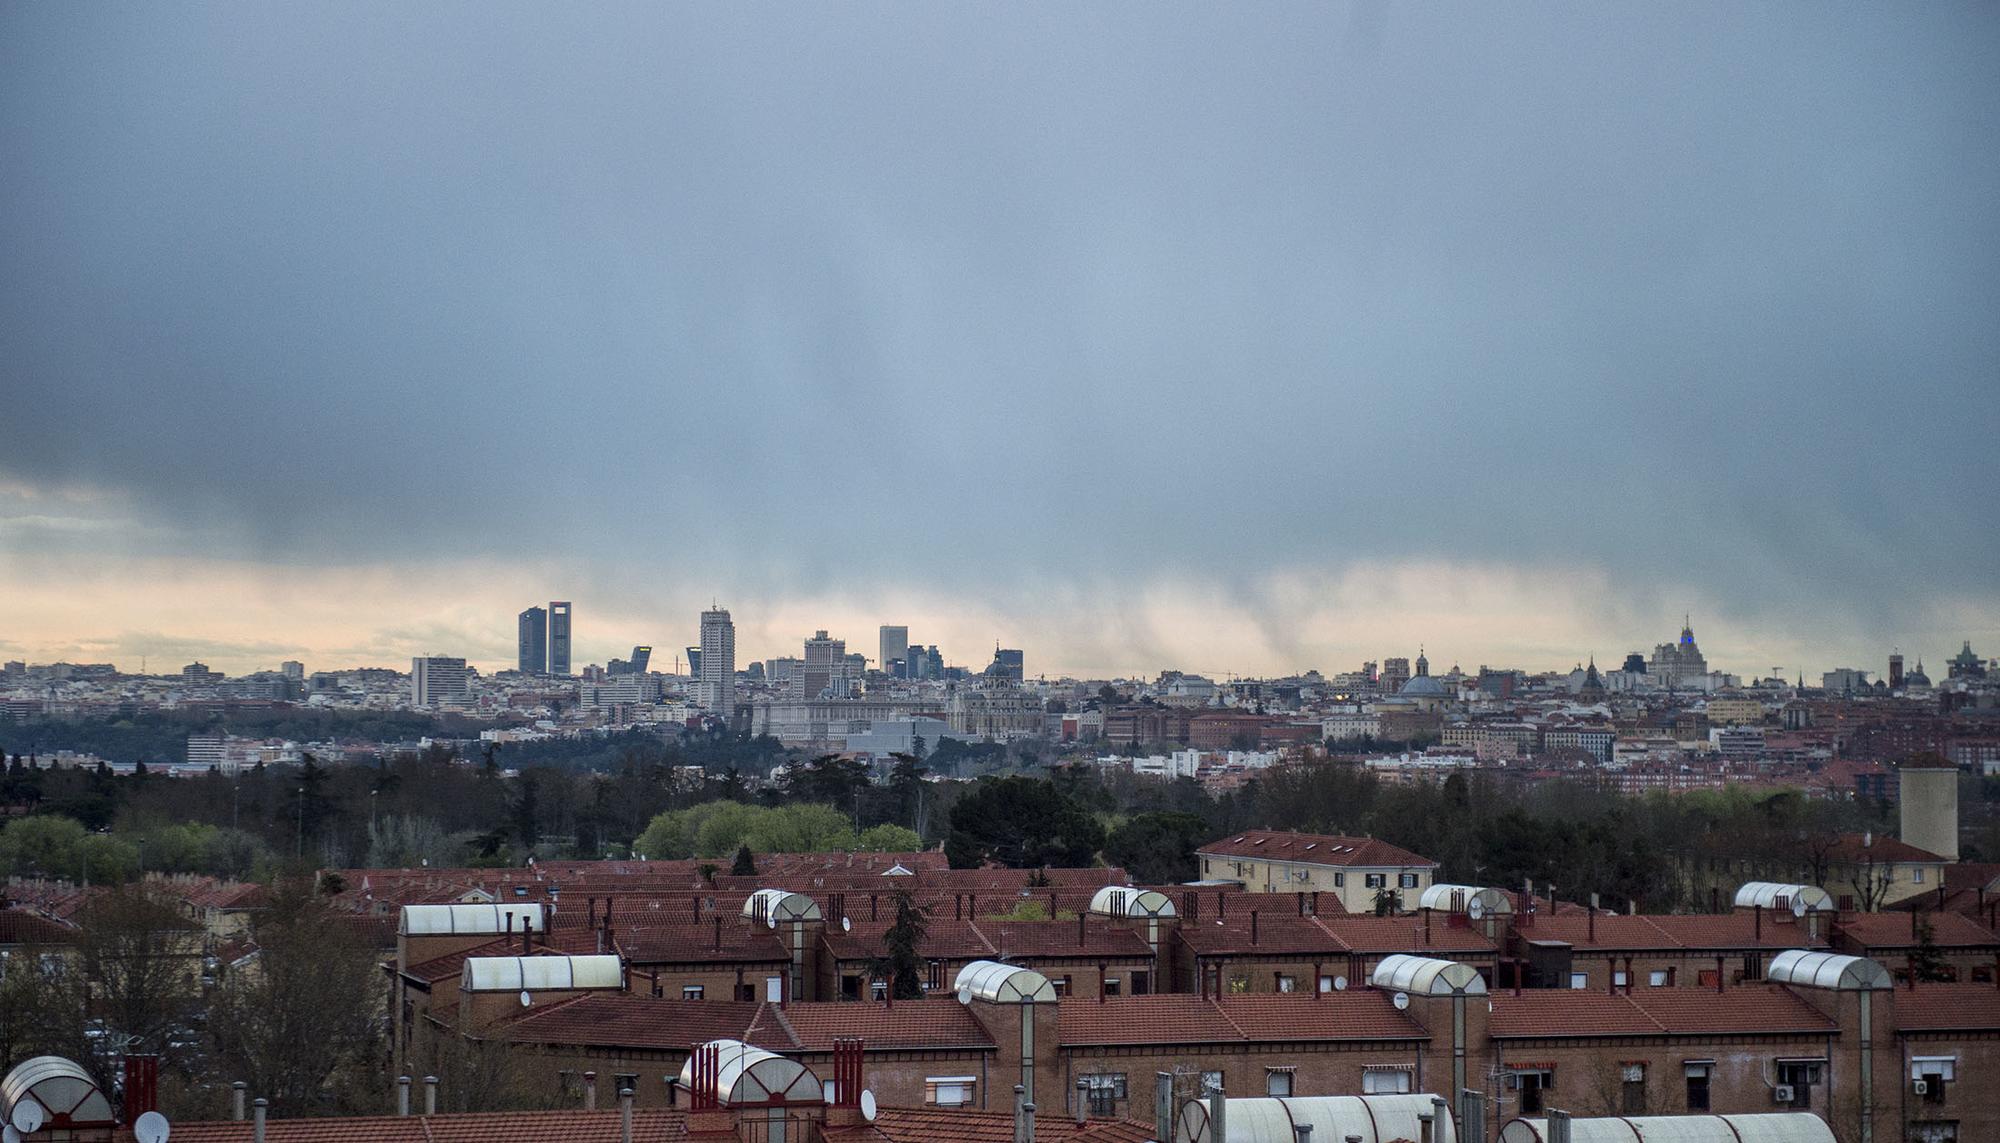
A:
[625,1115]
[1427,1127]
[1082,1102]
[590,1091]
[142,1085]
[1591,925]
[1218,1115]
[1253,926]
[430,1095]
[1163,1106]
[1302,1133]
[402,1095]
[257,1119]
[236,1093]
[1020,1110]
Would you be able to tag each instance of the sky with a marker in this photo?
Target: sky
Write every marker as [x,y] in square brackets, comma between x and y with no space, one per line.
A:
[1234,340]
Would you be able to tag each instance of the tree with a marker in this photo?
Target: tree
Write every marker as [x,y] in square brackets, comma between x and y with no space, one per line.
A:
[1021,823]
[746,863]
[1157,848]
[1927,963]
[888,839]
[142,961]
[903,963]
[300,1027]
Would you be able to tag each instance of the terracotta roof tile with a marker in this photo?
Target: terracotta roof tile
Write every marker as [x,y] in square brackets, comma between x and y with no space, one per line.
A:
[1359,1014]
[1566,1013]
[1862,931]
[1316,849]
[933,1023]
[1948,1008]
[22,928]
[1049,939]
[649,1125]
[731,941]
[626,1021]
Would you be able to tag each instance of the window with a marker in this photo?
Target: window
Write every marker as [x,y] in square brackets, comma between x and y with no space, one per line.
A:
[1238,983]
[1697,1072]
[1375,880]
[1934,1072]
[1916,877]
[691,992]
[1113,986]
[1407,880]
[1800,1076]
[1632,1088]
[1141,983]
[1060,984]
[878,990]
[1326,984]
[949,1091]
[1579,980]
[1707,978]
[1340,880]
[1661,978]
[1104,1090]
[774,989]
[1287,983]
[625,1081]
[1211,1081]
[1533,1082]
[1382,1079]
[1278,1082]
[1619,979]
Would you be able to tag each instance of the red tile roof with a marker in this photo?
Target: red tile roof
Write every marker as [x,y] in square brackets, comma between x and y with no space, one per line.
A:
[1360,1014]
[21,928]
[1315,849]
[618,1020]
[649,1125]
[1051,939]
[1622,932]
[732,941]
[933,1023]
[1896,931]
[1854,848]
[1560,1013]
[1948,1008]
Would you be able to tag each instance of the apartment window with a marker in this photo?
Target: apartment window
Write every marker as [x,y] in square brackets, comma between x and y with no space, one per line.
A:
[1661,978]
[949,1091]
[1383,1079]
[1113,986]
[1916,877]
[1104,1090]
[878,989]
[1211,1081]
[1061,985]
[1326,984]
[1407,881]
[1632,1088]
[1800,1076]
[1697,1073]
[1141,982]
[1533,1083]
[1619,979]
[1287,983]
[1239,983]
[1278,1082]
[1340,880]
[1375,880]
[1934,1131]
[1579,980]
[624,1081]
[691,991]
[1934,1072]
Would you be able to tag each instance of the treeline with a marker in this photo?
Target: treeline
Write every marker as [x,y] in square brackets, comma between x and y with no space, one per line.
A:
[161,735]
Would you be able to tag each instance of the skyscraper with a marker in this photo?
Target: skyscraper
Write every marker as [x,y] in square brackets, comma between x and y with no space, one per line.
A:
[435,679]
[895,648]
[718,662]
[825,659]
[1007,666]
[533,644]
[559,637]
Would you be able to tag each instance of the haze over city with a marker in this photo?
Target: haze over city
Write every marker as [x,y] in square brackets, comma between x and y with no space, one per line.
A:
[1243,342]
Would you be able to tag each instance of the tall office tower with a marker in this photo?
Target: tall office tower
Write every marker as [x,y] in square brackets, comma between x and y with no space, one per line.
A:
[718,662]
[559,637]
[642,660]
[435,679]
[533,644]
[824,659]
[1896,671]
[694,663]
[895,646]
[293,670]
[1395,672]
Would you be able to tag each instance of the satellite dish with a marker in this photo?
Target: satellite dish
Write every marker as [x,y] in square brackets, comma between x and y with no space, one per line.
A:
[965,994]
[526,999]
[846,925]
[28,1116]
[151,1127]
[1475,908]
[1340,984]
[1401,1001]
[771,921]
[1798,906]
[868,1105]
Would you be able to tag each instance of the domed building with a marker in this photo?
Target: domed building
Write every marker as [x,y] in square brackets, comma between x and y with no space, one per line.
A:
[1424,691]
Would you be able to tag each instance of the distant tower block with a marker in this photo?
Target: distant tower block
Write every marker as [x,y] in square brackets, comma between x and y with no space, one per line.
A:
[1929,796]
[1896,671]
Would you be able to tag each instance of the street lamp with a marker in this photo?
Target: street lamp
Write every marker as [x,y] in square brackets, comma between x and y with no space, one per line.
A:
[301,843]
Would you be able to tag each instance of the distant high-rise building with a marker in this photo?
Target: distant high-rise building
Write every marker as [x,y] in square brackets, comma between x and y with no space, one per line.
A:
[895,648]
[718,662]
[1896,671]
[924,663]
[1635,664]
[1965,664]
[694,663]
[435,680]
[1395,672]
[1673,662]
[642,659]
[559,626]
[1008,665]
[824,658]
[293,669]
[532,646]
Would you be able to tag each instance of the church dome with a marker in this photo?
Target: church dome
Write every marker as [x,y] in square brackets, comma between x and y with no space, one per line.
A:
[1423,686]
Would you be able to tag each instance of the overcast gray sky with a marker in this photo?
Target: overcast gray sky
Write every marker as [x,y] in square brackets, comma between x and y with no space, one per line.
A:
[1137,335]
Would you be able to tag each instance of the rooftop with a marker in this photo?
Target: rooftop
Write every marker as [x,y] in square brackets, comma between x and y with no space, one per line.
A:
[1315,849]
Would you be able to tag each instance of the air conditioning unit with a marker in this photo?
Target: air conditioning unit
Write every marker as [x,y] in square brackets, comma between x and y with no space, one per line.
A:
[1782,1093]
[1921,1087]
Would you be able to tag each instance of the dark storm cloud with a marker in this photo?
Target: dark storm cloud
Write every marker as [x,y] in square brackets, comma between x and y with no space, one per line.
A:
[1018,294]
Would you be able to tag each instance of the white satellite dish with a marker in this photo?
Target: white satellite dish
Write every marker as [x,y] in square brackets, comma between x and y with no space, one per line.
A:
[868,1105]
[1475,908]
[28,1116]
[1401,1001]
[526,1000]
[846,925]
[965,994]
[1798,906]
[151,1127]
[1340,984]
[771,921]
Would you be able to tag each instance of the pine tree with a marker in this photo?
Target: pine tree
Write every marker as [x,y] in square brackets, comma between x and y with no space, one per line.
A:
[904,965]
[746,862]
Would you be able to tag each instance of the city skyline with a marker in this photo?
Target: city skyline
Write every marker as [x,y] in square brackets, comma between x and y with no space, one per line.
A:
[1242,341]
